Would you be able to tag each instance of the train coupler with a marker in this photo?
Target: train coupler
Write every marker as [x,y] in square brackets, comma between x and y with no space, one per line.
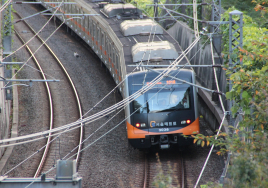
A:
[164,142]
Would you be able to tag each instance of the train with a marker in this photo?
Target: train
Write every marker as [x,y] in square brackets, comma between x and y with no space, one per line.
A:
[124,38]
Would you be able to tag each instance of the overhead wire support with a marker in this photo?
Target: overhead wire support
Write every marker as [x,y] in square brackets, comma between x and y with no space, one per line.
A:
[196,32]
[62,14]
[29,80]
[35,14]
[178,4]
[213,66]
[11,63]
[32,2]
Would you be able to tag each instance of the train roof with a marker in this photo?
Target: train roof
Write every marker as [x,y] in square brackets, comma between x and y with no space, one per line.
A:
[140,27]
[112,10]
[131,40]
[159,50]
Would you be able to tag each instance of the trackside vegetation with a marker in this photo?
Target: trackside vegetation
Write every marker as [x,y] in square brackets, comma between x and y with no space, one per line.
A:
[248,143]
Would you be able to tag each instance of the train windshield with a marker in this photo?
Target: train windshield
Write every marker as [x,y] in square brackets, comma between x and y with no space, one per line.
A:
[168,99]
[166,95]
[162,99]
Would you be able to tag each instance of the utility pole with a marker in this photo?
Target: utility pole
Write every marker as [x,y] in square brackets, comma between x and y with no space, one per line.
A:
[235,42]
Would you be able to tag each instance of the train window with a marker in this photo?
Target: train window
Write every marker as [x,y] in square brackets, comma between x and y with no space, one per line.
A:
[81,20]
[74,10]
[113,55]
[107,45]
[160,99]
[94,30]
[86,22]
[102,40]
[139,105]
[98,34]
[119,65]
[90,26]
[110,51]
[65,6]
[116,62]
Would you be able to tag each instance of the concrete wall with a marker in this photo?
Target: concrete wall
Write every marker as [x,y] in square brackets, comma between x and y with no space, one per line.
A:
[201,55]
[5,108]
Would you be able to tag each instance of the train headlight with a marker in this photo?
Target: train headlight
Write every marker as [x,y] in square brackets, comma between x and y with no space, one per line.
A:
[140,125]
[143,125]
[186,121]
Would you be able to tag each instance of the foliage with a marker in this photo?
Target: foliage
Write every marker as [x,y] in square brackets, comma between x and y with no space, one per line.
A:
[247,6]
[248,144]
[254,63]
[249,157]
[161,180]
[148,10]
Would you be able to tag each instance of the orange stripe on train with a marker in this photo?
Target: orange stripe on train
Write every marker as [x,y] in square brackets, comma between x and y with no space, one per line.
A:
[134,133]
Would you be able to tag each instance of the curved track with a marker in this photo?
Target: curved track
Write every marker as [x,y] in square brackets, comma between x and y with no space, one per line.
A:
[46,151]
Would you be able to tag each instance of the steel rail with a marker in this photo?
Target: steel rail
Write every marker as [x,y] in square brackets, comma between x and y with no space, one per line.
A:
[145,171]
[50,104]
[182,172]
[73,87]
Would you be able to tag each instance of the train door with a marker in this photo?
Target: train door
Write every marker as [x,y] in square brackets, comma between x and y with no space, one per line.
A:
[98,39]
[75,11]
[90,25]
[113,64]
[106,52]
[110,57]
[80,22]
[102,43]
[93,34]
[65,6]
[117,65]
[86,29]
[69,10]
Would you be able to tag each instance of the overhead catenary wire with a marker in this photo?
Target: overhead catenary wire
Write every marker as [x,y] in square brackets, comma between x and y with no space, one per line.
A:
[101,136]
[38,47]
[54,134]
[121,122]
[92,108]
[44,133]
[95,140]
[34,35]
[113,107]
[223,109]
[137,66]
[153,83]
[5,5]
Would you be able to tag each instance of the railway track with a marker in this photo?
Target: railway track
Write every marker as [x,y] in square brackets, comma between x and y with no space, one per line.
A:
[47,160]
[167,168]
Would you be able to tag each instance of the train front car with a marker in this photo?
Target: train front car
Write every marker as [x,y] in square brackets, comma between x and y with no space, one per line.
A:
[161,115]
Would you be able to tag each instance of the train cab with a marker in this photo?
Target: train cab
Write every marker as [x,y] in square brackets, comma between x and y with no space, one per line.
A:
[160,116]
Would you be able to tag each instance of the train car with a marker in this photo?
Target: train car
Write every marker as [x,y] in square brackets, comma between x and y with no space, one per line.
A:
[121,35]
